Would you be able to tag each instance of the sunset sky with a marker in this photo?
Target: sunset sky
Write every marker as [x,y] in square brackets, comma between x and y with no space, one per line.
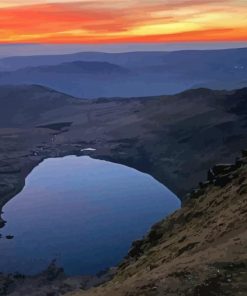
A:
[122,21]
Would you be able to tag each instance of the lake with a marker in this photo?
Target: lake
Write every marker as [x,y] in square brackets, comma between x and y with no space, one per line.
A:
[81,211]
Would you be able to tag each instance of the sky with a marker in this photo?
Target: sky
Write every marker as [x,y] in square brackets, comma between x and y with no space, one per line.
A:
[122,21]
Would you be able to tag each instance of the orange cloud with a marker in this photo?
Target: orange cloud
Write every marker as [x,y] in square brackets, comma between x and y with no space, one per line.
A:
[105,21]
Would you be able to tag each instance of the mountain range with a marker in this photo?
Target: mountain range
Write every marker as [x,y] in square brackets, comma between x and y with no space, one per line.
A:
[136,74]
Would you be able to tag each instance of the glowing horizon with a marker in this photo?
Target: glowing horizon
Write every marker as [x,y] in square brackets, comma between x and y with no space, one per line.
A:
[112,21]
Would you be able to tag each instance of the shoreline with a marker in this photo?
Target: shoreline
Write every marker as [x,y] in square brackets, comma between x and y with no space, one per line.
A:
[219,177]
[34,162]
[18,188]
[54,152]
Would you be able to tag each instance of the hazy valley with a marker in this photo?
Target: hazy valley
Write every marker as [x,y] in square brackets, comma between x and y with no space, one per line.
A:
[93,75]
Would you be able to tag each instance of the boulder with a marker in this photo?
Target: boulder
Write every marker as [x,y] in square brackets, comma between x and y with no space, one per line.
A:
[196,193]
[223,168]
[244,153]
[204,185]
[223,180]
[211,175]
[241,161]
[135,250]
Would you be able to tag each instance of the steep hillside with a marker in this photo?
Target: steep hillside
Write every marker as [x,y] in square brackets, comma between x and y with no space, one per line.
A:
[200,250]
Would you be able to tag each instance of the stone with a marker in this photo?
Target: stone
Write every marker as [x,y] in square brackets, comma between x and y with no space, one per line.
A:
[204,185]
[223,168]
[196,193]
[241,161]
[244,152]
[223,180]
[211,175]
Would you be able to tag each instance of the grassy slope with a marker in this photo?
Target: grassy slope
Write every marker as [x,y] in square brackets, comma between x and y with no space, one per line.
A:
[199,250]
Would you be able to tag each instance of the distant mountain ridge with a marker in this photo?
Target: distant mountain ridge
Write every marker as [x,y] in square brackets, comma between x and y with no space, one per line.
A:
[123,59]
[136,74]
[79,67]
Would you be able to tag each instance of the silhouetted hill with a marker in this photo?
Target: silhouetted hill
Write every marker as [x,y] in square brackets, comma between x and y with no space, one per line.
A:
[131,59]
[80,67]
[25,104]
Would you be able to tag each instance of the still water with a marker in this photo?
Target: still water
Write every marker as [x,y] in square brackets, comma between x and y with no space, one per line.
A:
[81,211]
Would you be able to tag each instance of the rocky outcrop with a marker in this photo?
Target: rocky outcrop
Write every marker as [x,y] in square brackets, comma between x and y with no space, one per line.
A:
[219,175]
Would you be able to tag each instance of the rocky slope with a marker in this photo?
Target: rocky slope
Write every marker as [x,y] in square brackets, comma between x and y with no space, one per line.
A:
[200,250]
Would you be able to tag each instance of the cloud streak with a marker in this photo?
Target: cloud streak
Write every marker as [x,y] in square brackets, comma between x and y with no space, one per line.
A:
[108,21]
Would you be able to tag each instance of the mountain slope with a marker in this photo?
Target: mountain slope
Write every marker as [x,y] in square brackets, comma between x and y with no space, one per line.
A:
[199,250]
[168,137]
[22,105]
